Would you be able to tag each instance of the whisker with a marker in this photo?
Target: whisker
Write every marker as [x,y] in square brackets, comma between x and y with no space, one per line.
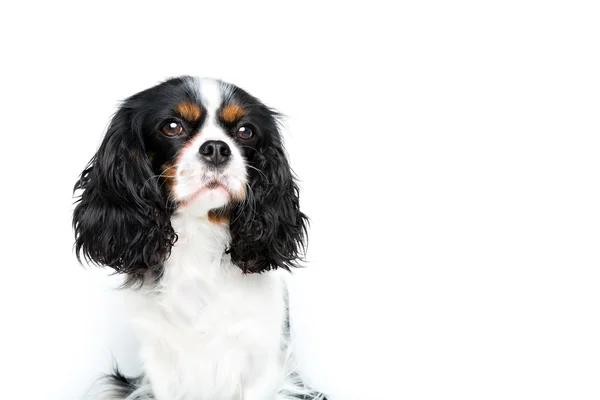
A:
[156,177]
[247,202]
[258,170]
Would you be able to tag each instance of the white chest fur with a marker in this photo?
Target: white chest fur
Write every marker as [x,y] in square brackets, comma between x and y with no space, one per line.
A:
[207,331]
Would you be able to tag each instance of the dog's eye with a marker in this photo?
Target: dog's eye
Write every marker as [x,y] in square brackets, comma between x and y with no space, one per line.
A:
[245,132]
[172,128]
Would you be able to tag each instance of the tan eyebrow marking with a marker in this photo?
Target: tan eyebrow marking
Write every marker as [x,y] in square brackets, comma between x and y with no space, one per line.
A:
[188,110]
[232,112]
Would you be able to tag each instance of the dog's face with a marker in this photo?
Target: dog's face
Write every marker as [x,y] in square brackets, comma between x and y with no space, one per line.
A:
[201,136]
[191,145]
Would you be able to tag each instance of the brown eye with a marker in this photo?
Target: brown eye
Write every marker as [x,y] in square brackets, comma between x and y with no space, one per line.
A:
[172,128]
[245,132]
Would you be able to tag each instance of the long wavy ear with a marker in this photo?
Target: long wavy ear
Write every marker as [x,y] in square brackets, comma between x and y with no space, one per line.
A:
[268,230]
[121,218]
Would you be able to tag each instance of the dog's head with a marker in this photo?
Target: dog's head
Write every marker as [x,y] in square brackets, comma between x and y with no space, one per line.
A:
[191,145]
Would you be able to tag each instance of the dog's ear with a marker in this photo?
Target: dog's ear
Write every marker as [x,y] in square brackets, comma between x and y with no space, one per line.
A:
[268,230]
[121,218]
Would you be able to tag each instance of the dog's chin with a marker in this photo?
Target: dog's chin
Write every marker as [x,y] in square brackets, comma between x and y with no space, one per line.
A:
[207,198]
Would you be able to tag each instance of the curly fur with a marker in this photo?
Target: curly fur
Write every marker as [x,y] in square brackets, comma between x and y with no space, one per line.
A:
[122,219]
[268,230]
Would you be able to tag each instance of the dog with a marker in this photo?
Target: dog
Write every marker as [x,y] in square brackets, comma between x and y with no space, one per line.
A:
[191,198]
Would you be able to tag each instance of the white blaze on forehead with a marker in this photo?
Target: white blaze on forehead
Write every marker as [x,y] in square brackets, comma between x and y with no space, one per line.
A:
[210,95]
[209,92]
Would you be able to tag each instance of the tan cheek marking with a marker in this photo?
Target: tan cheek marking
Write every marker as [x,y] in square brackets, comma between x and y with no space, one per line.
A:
[189,111]
[169,175]
[232,112]
[217,218]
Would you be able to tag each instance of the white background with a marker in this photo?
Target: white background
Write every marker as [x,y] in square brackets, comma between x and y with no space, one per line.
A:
[449,155]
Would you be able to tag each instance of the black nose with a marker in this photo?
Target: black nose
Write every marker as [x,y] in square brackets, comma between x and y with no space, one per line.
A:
[215,152]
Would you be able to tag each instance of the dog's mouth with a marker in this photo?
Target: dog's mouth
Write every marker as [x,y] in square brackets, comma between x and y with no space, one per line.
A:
[214,184]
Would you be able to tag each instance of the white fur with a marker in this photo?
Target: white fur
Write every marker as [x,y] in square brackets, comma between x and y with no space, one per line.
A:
[207,331]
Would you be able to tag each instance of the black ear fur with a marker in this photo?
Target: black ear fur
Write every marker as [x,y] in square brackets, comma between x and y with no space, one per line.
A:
[121,220]
[268,230]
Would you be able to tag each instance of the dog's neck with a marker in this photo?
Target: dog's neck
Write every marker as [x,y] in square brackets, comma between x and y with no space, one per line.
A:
[208,234]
